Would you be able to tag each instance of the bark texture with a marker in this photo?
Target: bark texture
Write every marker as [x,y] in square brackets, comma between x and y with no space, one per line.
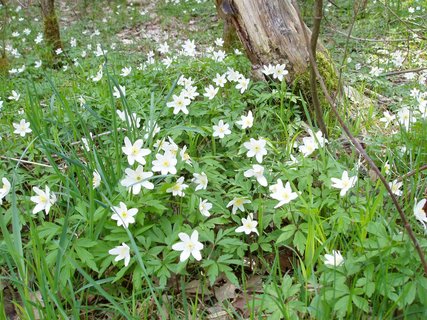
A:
[270,32]
[51,26]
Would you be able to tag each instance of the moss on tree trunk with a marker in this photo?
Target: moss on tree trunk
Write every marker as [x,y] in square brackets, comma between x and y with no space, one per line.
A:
[52,34]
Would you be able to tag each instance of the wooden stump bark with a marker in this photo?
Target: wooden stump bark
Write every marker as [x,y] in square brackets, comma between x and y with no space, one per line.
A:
[270,32]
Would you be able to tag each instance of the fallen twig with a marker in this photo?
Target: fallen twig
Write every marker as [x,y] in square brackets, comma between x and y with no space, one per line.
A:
[413,172]
[26,161]
[393,73]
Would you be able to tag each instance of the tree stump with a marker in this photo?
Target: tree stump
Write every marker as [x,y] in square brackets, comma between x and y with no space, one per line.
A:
[271,33]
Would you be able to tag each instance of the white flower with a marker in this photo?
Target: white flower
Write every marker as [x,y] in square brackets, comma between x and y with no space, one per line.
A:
[221,129]
[204,207]
[135,151]
[38,64]
[123,215]
[238,203]
[246,121]
[189,48]
[22,128]
[73,42]
[179,103]
[44,200]
[189,245]
[248,225]
[126,71]
[15,96]
[164,163]
[201,180]
[318,138]
[58,51]
[256,148]
[219,55]
[164,48]
[387,168]
[122,92]
[257,171]
[233,75]
[136,179]
[4,190]
[388,118]
[268,70]
[345,183]
[39,38]
[282,194]
[219,42]
[170,146]
[131,120]
[167,61]
[178,188]
[308,147]
[122,252]
[279,71]
[405,117]
[96,180]
[375,71]
[186,82]
[334,260]
[395,187]
[242,84]
[185,156]
[420,213]
[99,77]
[210,92]
[190,92]
[151,129]
[293,162]
[220,80]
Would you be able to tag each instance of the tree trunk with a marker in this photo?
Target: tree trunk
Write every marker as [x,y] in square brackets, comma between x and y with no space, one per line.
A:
[271,33]
[51,26]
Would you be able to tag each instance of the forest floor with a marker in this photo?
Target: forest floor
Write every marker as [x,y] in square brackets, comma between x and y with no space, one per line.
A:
[145,173]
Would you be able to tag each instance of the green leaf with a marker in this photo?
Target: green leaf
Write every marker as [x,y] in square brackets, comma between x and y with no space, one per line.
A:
[299,241]
[87,258]
[212,272]
[361,303]
[341,306]
[232,277]
[287,232]
[409,291]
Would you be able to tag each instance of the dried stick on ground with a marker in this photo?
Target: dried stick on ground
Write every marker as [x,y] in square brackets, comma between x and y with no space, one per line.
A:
[361,150]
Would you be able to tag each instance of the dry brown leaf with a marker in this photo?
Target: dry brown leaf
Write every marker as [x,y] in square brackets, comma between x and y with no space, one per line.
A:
[226,291]
[254,284]
[195,287]
[217,312]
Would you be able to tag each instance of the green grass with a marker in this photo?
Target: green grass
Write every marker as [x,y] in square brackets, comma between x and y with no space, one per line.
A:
[62,257]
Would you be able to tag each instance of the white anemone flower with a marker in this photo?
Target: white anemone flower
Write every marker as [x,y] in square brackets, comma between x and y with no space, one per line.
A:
[189,245]
[122,252]
[345,183]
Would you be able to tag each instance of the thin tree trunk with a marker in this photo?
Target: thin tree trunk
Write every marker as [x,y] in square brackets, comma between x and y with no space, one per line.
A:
[51,26]
[270,33]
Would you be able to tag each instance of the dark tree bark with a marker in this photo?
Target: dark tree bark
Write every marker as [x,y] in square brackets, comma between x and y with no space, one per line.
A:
[51,26]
